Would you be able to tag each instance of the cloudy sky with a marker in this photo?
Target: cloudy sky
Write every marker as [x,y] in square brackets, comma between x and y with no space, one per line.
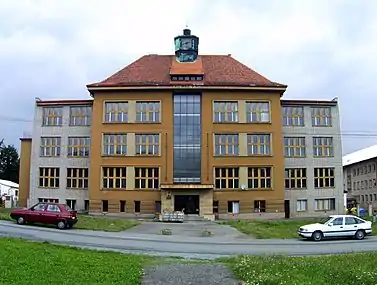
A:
[321,49]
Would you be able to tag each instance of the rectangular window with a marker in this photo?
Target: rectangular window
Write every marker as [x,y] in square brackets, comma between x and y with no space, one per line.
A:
[115,144]
[80,116]
[86,205]
[48,200]
[295,178]
[116,112]
[294,147]
[148,112]
[324,177]
[71,203]
[50,146]
[78,146]
[226,144]
[227,178]
[260,206]
[302,205]
[259,177]
[147,144]
[52,116]
[114,177]
[122,206]
[225,112]
[215,206]
[137,206]
[258,112]
[293,116]
[258,144]
[321,117]
[105,205]
[77,178]
[49,177]
[147,178]
[323,146]
[324,204]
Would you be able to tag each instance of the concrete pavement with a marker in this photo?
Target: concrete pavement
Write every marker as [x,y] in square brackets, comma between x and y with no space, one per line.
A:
[186,247]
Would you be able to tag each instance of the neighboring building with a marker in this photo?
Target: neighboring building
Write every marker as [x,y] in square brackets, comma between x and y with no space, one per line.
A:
[199,132]
[9,188]
[360,174]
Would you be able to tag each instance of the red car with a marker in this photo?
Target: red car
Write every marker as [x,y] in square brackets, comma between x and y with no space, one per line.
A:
[46,213]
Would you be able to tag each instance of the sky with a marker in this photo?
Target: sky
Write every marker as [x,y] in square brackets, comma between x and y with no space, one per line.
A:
[321,49]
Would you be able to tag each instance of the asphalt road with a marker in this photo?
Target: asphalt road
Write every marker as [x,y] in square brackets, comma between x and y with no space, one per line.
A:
[186,247]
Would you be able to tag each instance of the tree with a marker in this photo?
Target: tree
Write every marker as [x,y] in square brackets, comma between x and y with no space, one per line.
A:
[9,163]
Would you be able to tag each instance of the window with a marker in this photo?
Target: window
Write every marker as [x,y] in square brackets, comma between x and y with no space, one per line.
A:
[302,205]
[122,206]
[80,116]
[115,144]
[257,112]
[226,144]
[226,178]
[258,144]
[293,116]
[49,177]
[338,221]
[351,221]
[71,203]
[369,168]
[50,146]
[259,177]
[321,117]
[52,208]
[324,177]
[137,206]
[225,112]
[157,206]
[105,205]
[78,146]
[86,205]
[148,112]
[52,116]
[116,112]
[324,204]
[233,207]
[77,178]
[147,144]
[323,146]
[114,177]
[215,206]
[48,200]
[260,206]
[147,178]
[294,147]
[295,178]
[41,206]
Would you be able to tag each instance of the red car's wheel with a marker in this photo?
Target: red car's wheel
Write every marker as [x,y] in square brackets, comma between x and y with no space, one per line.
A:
[20,220]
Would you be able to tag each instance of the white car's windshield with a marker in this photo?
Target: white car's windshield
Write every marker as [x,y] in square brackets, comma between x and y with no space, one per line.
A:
[325,221]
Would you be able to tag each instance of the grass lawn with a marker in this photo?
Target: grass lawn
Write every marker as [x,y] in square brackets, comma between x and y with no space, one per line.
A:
[25,263]
[347,269]
[284,229]
[94,223]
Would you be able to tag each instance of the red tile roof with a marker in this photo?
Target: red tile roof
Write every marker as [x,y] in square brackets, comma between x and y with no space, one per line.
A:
[155,70]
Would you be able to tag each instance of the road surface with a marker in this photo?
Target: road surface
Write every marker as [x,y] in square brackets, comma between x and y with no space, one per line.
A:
[186,247]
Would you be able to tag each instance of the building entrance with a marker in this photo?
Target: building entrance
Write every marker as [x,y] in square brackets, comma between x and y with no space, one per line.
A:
[188,202]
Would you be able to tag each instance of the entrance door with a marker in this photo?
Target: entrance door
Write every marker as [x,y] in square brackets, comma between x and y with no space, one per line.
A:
[188,202]
[287,209]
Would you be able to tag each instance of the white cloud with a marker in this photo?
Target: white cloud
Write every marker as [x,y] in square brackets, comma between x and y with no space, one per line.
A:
[67,44]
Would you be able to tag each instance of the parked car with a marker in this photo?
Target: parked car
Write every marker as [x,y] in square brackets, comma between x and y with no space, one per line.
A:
[46,213]
[337,226]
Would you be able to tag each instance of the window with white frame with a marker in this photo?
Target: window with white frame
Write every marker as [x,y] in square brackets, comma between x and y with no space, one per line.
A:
[258,112]
[324,204]
[50,146]
[148,112]
[302,205]
[258,144]
[226,144]
[225,112]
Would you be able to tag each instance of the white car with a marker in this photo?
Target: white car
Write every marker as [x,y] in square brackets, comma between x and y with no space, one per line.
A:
[337,226]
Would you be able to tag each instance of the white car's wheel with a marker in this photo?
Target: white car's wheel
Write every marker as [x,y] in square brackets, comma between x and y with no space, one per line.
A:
[317,236]
[359,235]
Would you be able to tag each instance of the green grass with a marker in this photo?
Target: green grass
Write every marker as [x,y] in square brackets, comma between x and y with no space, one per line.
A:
[86,222]
[26,263]
[347,269]
[285,229]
